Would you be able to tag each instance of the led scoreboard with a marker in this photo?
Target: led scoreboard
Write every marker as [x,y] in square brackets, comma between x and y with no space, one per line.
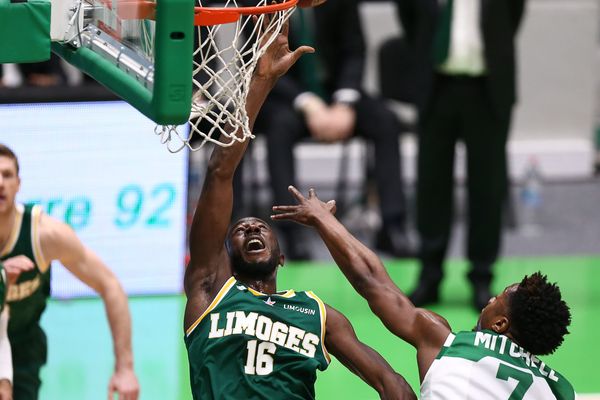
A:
[98,167]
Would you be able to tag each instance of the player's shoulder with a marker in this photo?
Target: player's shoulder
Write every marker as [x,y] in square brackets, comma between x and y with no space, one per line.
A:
[45,226]
[310,296]
[48,224]
[56,237]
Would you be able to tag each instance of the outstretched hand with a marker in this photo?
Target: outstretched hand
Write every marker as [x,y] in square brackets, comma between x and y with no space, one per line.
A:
[278,58]
[308,210]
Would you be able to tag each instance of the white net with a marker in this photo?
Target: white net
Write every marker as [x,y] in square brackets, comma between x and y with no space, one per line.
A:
[224,60]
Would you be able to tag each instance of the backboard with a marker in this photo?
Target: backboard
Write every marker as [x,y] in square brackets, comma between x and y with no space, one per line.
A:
[141,50]
[149,54]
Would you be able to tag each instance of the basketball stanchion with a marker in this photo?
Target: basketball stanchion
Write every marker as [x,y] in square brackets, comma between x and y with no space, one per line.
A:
[224,61]
[194,87]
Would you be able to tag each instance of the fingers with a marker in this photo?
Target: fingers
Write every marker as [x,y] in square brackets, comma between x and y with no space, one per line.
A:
[300,51]
[332,206]
[289,215]
[285,208]
[297,195]
[122,394]
[284,212]
[312,193]
[18,268]
[131,395]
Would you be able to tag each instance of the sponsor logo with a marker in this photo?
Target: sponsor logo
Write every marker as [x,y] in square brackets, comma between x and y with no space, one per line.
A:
[269,302]
[23,290]
[303,310]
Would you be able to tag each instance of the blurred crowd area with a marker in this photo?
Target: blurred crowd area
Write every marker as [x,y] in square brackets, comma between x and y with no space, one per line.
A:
[48,81]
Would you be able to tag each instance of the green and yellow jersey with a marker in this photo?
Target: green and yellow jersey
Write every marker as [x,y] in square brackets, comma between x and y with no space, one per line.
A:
[27,297]
[250,345]
[26,300]
[486,365]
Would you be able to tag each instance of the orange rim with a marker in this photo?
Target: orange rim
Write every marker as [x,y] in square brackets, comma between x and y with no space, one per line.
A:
[207,16]
[203,16]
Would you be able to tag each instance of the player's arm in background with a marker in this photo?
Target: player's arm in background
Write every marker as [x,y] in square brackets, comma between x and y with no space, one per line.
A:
[11,269]
[209,265]
[423,329]
[341,341]
[59,242]
[6,368]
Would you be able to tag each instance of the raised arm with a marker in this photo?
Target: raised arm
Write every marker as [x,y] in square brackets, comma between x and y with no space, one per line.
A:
[423,329]
[209,265]
[59,242]
[6,367]
[341,341]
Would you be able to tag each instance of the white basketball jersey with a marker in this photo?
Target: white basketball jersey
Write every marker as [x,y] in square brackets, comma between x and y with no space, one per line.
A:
[485,365]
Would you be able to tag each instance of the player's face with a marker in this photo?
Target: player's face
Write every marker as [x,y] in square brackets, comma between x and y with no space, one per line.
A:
[253,243]
[497,306]
[9,183]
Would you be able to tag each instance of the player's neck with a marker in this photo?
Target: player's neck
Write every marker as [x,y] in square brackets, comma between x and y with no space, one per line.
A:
[7,220]
[267,285]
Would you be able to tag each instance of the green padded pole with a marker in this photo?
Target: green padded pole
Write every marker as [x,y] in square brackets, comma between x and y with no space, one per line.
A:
[170,101]
[109,75]
[25,29]
[174,46]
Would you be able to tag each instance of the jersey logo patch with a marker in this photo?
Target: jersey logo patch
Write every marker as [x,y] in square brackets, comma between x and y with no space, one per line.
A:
[269,302]
[23,290]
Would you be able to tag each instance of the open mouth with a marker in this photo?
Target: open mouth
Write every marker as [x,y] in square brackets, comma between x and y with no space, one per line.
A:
[255,245]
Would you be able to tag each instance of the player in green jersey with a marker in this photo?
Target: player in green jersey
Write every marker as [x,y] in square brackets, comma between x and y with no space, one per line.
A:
[6,369]
[498,360]
[26,232]
[16,266]
[245,340]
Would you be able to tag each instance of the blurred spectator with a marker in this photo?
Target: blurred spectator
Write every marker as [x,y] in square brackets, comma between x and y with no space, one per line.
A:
[467,50]
[43,74]
[322,98]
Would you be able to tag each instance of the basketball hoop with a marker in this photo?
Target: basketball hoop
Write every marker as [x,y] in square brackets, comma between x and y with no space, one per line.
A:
[230,44]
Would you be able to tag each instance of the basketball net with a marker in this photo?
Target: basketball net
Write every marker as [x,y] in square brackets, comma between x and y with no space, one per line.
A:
[224,62]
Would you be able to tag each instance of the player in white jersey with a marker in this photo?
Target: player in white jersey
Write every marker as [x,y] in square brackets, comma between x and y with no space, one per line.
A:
[497,360]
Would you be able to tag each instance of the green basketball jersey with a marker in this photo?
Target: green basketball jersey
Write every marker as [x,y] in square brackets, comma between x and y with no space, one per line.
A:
[250,345]
[485,365]
[26,298]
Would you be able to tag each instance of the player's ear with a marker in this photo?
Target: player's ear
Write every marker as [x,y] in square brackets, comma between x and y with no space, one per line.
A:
[500,324]
[281,260]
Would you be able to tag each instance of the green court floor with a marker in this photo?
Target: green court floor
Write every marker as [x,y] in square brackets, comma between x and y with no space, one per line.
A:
[80,350]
